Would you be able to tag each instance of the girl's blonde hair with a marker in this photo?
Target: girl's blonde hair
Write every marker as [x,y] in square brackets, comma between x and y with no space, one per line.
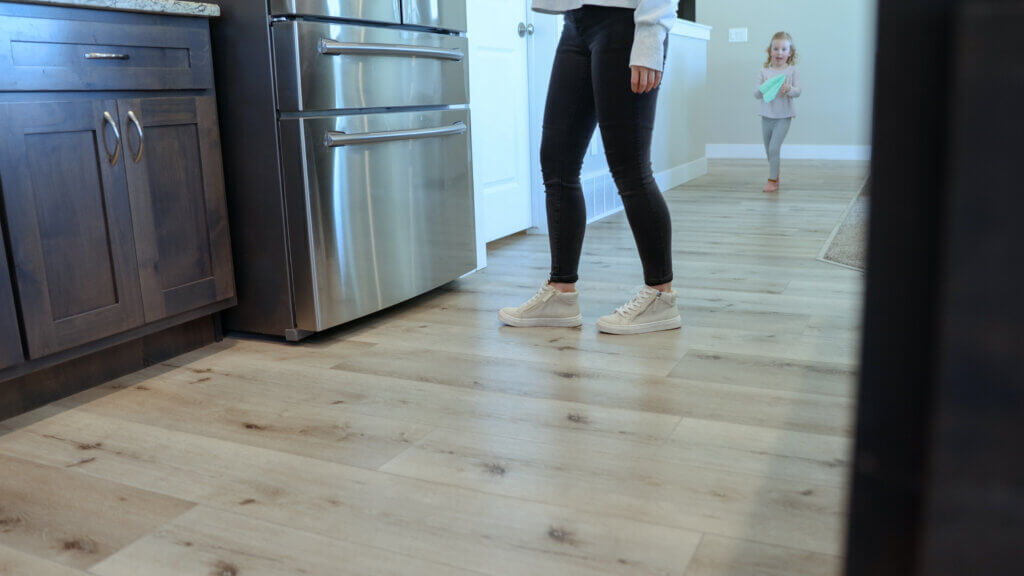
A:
[792,48]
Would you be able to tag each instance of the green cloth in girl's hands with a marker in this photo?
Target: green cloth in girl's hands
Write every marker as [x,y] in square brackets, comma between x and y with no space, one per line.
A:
[770,89]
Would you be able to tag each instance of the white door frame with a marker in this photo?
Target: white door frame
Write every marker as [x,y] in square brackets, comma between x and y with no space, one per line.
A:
[540,55]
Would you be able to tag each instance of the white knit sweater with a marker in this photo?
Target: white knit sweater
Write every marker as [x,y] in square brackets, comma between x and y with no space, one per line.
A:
[654,19]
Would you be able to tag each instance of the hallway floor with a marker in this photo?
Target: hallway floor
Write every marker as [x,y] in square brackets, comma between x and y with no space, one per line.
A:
[430,440]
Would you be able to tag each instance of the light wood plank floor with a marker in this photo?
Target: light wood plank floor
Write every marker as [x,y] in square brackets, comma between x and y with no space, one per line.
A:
[430,440]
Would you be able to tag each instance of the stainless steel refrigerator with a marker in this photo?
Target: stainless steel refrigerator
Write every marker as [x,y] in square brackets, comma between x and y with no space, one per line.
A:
[346,129]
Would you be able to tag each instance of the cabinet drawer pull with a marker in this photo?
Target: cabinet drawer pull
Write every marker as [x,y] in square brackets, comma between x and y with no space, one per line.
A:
[111,157]
[106,56]
[132,119]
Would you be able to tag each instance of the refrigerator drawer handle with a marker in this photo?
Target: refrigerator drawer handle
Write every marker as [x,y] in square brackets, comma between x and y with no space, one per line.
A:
[336,139]
[332,48]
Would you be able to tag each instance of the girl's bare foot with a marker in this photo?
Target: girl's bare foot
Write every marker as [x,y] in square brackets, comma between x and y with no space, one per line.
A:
[771,186]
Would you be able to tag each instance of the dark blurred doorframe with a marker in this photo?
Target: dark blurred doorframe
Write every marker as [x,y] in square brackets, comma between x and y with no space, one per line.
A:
[938,484]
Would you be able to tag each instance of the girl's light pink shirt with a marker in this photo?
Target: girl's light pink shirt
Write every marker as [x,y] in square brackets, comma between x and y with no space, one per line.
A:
[782,106]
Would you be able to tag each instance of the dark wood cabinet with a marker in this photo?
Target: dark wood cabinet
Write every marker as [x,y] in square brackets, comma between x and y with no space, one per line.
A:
[10,339]
[179,212]
[69,222]
[112,197]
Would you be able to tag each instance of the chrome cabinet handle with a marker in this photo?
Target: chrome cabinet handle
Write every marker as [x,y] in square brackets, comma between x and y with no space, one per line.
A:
[111,157]
[132,119]
[336,139]
[106,56]
[334,48]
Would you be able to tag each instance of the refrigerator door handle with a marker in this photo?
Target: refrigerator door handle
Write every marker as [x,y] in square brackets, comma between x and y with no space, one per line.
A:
[337,139]
[334,48]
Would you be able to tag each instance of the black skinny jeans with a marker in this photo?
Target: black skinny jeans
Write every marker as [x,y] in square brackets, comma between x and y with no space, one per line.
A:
[591,85]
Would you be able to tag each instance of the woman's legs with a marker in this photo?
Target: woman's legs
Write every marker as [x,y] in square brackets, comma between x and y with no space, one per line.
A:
[627,124]
[569,123]
[590,82]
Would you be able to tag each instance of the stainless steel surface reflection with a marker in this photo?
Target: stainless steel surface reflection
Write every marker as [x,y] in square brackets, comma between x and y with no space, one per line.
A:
[386,11]
[389,217]
[444,14]
[314,73]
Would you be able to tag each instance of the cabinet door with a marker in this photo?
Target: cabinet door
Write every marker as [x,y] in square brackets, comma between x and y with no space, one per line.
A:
[179,211]
[10,339]
[69,222]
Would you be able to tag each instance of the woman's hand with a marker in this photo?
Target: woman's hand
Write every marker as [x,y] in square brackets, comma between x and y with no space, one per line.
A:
[645,79]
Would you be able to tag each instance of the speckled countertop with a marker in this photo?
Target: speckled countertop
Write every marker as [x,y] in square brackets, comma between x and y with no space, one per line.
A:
[176,7]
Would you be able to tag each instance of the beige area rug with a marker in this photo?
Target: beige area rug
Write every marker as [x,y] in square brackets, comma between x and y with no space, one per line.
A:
[848,244]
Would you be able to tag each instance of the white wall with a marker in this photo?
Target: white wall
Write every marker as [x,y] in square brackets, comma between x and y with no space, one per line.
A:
[836,41]
[681,124]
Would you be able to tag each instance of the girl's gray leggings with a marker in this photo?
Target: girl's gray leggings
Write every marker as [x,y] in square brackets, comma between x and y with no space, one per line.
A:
[775,130]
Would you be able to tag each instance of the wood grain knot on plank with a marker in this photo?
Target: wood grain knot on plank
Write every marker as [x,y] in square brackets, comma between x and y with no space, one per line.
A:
[562,536]
[80,462]
[577,418]
[83,545]
[495,469]
[9,523]
[222,568]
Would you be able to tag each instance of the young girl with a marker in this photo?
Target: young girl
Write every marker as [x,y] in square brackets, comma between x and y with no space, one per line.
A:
[777,115]
[607,70]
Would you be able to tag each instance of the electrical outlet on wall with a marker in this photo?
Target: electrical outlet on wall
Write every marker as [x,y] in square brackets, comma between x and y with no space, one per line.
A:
[737,34]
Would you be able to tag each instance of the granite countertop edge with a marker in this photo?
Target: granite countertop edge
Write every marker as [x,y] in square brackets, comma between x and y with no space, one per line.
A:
[172,7]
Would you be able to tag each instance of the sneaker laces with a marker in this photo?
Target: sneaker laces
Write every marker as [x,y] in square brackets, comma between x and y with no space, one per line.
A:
[540,296]
[639,303]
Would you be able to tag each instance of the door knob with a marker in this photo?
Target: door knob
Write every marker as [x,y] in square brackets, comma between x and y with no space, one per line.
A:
[525,29]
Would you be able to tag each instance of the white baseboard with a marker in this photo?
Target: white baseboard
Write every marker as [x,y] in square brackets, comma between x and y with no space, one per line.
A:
[790,152]
[668,179]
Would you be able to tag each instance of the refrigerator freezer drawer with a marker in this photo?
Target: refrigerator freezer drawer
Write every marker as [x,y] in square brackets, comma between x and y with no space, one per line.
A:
[326,66]
[385,11]
[445,14]
[389,208]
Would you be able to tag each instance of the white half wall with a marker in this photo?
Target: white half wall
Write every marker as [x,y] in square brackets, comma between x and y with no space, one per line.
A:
[790,152]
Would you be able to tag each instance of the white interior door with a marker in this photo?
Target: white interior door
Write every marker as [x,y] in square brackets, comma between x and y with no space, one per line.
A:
[499,99]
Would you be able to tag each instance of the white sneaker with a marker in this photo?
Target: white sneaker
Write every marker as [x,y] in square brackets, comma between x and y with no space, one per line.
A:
[548,307]
[648,311]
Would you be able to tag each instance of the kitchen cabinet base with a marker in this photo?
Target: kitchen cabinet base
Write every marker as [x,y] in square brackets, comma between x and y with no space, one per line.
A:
[29,386]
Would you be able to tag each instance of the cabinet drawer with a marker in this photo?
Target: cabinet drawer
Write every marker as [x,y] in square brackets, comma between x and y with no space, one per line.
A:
[52,53]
